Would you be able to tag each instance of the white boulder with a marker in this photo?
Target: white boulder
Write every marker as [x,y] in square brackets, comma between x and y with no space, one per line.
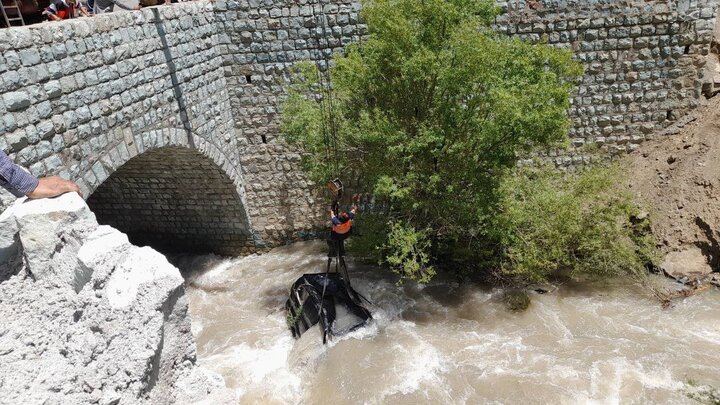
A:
[51,231]
[142,267]
[86,316]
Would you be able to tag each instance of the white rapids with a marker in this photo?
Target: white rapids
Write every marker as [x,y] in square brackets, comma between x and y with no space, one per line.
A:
[447,343]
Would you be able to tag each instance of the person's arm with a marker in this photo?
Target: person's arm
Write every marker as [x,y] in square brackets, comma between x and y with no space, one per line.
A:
[333,218]
[124,7]
[14,178]
[353,211]
[84,11]
[53,186]
[51,13]
[20,182]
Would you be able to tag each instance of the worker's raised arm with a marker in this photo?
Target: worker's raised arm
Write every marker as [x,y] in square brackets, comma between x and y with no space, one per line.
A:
[355,198]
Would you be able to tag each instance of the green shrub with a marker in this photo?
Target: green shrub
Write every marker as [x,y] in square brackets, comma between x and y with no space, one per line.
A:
[407,252]
[565,224]
[430,113]
[370,232]
[398,245]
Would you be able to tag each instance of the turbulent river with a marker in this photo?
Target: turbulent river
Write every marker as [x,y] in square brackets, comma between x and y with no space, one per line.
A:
[447,343]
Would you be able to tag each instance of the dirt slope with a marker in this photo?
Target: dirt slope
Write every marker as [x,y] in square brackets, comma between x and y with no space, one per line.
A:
[678,176]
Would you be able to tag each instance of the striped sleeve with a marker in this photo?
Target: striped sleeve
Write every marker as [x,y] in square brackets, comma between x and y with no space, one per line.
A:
[14,178]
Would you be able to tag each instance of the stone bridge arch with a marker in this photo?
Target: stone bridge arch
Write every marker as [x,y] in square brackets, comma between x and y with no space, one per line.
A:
[173,191]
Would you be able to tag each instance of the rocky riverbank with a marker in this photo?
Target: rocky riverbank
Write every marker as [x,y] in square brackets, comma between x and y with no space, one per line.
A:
[86,316]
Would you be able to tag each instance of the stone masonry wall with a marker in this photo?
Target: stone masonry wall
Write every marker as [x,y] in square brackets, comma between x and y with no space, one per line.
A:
[72,92]
[264,38]
[644,64]
[84,97]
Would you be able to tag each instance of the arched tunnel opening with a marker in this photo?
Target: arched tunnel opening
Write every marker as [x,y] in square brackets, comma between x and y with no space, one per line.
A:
[177,201]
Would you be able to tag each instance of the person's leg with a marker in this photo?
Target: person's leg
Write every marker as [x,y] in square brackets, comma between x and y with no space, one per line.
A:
[331,247]
[341,247]
[332,252]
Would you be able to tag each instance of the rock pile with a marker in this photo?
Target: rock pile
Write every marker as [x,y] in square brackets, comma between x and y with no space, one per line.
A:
[86,316]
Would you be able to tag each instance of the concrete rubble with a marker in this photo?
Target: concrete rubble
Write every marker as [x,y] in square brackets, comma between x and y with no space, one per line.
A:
[87,317]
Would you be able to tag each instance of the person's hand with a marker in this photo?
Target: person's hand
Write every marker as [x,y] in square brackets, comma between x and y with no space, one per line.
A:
[356,197]
[53,186]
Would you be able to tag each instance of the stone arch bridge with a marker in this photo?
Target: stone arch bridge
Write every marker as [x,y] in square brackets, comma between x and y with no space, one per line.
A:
[167,116]
[172,190]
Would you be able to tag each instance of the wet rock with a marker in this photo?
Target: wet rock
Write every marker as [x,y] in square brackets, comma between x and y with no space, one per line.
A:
[542,288]
[714,279]
[516,300]
[689,264]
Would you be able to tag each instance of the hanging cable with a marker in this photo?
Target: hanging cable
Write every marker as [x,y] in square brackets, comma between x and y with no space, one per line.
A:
[324,119]
[327,103]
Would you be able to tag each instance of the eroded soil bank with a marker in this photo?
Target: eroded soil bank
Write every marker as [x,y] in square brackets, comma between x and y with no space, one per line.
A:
[677,176]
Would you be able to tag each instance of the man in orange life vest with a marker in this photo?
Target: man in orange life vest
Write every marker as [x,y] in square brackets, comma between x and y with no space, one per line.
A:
[341,229]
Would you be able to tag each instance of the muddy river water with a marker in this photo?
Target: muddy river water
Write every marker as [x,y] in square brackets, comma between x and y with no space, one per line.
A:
[447,343]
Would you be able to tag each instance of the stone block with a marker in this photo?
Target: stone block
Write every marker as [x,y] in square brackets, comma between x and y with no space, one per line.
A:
[12,59]
[29,57]
[16,100]
[143,266]
[17,140]
[9,234]
[99,254]
[50,232]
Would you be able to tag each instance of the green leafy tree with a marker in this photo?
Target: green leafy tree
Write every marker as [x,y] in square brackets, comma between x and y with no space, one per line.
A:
[429,113]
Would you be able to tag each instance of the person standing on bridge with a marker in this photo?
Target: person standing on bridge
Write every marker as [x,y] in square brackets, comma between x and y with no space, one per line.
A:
[108,6]
[20,182]
[60,10]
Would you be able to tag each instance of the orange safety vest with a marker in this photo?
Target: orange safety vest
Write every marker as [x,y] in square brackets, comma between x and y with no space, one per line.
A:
[342,229]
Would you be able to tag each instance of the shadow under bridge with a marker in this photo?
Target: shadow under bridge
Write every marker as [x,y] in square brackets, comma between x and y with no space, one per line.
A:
[175,200]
